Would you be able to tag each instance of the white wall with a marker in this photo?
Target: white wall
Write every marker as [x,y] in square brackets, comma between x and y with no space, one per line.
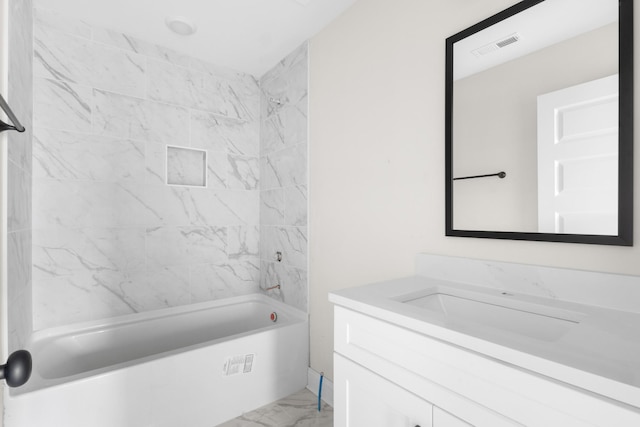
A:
[376,123]
[3,203]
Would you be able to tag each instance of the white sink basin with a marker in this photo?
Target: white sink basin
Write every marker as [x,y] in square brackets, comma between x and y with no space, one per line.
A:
[525,321]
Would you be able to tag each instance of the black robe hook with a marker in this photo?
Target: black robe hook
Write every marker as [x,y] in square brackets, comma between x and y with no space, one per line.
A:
[7,110]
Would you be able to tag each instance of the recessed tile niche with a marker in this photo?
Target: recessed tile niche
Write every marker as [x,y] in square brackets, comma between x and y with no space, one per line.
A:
[186,166]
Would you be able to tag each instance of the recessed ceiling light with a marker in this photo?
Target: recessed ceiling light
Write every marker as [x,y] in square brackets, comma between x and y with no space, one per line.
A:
[180,25]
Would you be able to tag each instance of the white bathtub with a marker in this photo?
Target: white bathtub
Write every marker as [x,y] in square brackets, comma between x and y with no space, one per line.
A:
[192,366]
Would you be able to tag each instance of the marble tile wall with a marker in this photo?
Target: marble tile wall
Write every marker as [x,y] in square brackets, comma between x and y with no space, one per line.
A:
[110,237]
[283,179]
[19,174]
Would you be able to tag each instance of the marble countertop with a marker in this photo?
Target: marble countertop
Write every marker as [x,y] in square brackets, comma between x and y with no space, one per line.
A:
[599,351]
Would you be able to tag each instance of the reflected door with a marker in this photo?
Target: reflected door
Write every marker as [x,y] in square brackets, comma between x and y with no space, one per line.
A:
[578,159]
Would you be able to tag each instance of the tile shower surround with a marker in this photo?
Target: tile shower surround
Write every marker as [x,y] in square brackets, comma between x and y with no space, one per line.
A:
[283,183]
[109,236]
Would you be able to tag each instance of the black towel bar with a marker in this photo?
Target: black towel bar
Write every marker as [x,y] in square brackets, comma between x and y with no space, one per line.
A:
[498,174]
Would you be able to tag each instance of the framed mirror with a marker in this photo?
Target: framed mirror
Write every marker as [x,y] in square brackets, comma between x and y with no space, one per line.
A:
[539,124]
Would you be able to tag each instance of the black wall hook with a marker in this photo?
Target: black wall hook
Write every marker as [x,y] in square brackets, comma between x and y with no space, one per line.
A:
[7,110]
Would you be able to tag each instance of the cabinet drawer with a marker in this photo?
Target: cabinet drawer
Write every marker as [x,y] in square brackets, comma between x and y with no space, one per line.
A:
[364,399]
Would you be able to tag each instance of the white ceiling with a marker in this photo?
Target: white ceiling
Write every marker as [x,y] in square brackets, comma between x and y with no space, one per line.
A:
[246,35]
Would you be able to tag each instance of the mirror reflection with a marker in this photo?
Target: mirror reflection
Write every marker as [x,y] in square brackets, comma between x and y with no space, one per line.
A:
[536,96]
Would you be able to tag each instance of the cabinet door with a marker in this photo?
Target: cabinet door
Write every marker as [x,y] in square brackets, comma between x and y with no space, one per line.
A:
[444,419]
[364,399]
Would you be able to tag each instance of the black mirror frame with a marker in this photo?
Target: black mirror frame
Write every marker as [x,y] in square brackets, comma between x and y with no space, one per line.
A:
[625,138]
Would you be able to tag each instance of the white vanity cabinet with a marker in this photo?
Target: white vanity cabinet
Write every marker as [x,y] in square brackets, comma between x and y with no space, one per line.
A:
[389,375]
[374,385]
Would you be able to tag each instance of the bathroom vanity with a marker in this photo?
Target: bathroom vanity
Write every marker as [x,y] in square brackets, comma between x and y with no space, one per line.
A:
[429,351]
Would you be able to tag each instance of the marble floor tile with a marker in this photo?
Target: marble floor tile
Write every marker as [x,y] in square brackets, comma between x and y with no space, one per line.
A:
[298,410]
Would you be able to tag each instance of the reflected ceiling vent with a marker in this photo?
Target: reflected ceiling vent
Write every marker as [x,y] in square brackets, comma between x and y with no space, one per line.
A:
[497,45]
